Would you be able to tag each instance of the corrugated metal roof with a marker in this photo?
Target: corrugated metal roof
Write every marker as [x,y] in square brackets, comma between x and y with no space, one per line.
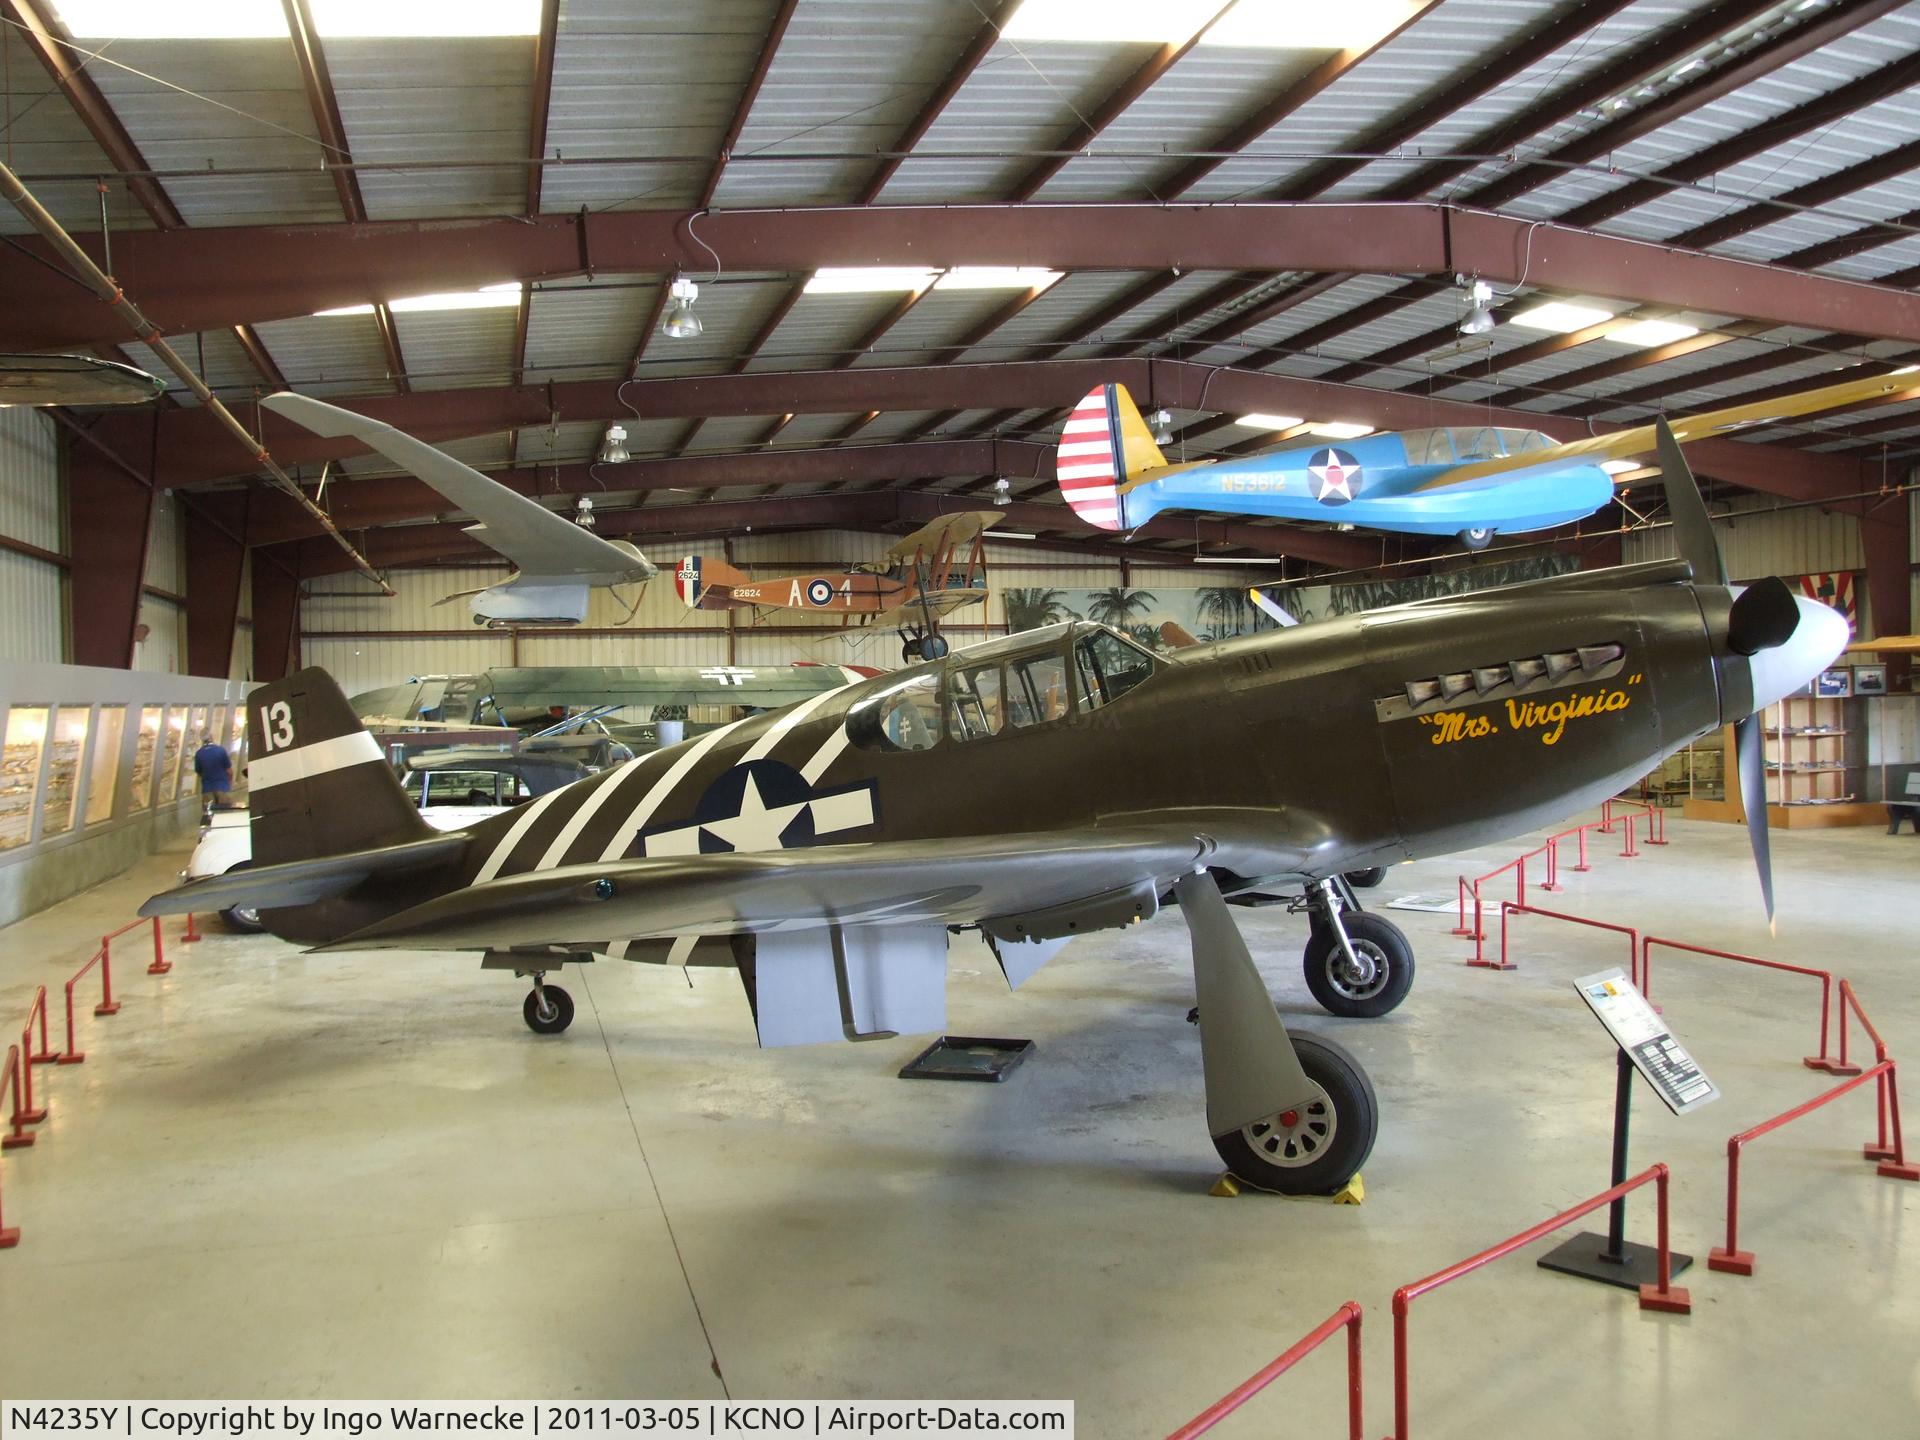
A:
[448,349]
[329,355]
[588,328]
[45,135]
[217,355]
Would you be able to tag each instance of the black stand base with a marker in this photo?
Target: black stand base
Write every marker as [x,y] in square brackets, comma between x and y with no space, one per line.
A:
[967,1057]
[1585,1255]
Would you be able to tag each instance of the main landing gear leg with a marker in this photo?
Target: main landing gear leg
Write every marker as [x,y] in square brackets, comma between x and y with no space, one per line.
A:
[548,1009]
[1296,1116]
[1358,965]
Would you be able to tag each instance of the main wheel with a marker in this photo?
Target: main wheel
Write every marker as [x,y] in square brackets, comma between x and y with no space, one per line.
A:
[1477,537]
[934,647]
[548,1010]
[1366,879]
[1381,981]
[243,918]
[1317,1148]
[910,651]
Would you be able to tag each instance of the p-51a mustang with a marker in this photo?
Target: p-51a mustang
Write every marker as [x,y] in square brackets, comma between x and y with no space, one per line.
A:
[556,563]
[1047,785]
[1472,481]
[921,581]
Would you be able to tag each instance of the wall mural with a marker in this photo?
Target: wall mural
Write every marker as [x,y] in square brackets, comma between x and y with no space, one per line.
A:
[1213,612]
[1307,603]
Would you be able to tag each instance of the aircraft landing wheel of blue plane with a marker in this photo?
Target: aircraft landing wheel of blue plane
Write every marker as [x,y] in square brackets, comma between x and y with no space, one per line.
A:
[548,1009]
[1317,1148]
[1373,987]
[934,647]
[1477,537]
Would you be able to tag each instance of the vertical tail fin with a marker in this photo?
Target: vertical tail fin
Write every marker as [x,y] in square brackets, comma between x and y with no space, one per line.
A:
[686,581]
[317,781]
[705,583]
[1104,445]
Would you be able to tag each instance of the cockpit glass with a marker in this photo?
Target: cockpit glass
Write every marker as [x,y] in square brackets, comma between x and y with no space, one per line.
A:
[1107,667]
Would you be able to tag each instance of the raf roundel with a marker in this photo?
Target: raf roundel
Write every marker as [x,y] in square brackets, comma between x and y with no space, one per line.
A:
[1333,477]
[819,592]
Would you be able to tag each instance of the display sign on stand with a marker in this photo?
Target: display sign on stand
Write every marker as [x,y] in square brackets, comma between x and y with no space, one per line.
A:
[1644,1043]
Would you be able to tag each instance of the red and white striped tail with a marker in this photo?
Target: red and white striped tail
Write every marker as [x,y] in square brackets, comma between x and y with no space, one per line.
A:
[1088,462]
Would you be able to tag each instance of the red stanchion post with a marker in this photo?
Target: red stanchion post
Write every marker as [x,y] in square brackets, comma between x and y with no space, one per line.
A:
[161,965]
[1552,882]
[25,1111]
[17,1136]
[189,935]
[1627,852]
[1347,1318]
[1663,1296]
[107,1006]
[1820,1061]
[10,1235]
[39,1007]
[1656,825]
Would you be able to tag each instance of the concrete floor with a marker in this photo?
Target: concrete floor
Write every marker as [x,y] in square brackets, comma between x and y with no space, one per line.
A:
[354,1177]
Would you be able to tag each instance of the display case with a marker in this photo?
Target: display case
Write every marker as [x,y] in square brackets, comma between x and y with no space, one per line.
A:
[1812,755]
[109,733]
[26,740]
[175,735]
[68,749]
[146,747]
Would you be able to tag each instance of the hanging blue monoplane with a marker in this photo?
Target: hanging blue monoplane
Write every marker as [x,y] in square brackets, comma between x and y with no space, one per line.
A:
[1470,481]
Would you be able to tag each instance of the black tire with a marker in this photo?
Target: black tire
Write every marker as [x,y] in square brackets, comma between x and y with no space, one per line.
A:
[1477,538]
[1366,879]
[1325,1144]
[242,919]
[910,651]
[1374,939]
[934,647]
[559,1006]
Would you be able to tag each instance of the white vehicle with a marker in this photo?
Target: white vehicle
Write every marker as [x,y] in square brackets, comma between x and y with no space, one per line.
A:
[448,800]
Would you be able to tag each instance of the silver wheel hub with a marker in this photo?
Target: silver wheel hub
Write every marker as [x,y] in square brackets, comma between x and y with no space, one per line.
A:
[1363,976]
[1294,1138]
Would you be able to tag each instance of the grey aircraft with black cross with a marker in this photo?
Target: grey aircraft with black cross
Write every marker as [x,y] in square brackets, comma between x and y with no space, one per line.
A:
[1047,785]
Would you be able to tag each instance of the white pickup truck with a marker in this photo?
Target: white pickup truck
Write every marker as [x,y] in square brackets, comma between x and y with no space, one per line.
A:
[449,799]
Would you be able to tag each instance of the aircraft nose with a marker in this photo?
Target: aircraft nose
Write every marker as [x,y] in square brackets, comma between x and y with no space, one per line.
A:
[1815,644]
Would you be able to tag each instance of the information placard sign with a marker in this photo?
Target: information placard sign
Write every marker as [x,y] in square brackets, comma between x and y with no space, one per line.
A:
[1638,1030]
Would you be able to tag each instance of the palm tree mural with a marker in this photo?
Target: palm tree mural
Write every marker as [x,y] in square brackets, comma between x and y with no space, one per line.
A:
[1224,610]
[1119,606]
[1032,607]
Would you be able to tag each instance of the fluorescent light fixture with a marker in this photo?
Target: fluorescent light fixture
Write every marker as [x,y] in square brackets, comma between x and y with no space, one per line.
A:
[996,277]
[1012,535]
[1096,21]
[1560,317]
[868,280]
[1299,25]
[1338,429]
[1232,560]
[1620,467]
[492,297]
[1648,333]
[265,19]
[1258,421]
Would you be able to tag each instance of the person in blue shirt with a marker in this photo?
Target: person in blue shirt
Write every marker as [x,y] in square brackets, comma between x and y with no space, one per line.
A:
[214,766]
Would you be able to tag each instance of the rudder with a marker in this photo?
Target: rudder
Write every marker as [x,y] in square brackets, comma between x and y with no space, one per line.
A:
[1104,445]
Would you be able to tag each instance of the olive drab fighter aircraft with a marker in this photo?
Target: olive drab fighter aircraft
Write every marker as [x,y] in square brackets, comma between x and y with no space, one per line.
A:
[1471,481]
[922,580]
[556,563]
[1047,785]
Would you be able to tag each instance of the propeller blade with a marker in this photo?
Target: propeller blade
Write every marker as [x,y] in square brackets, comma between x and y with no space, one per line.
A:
[1750,753]
[1764,617]
[1692,530]
[1251,1069]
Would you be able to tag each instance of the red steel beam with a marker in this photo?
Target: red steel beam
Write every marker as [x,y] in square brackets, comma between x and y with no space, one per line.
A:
[776,32]
[1872,171]
[754,347]
[273,272]
[1290,99]
[983,41]
[1627,364]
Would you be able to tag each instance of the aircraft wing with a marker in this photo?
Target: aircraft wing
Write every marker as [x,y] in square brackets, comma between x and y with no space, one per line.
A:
[1015,879]
[956,529]
[77,380]
[764,686]
[1643,439]
[941,602]
[534,538]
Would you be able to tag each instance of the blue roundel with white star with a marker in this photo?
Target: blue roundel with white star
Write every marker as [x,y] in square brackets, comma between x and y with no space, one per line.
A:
[1333,476]
[763,805]
[819,592]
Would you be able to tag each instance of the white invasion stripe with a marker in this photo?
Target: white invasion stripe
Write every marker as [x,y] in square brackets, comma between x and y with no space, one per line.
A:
[586,810]
[304,762]
[1085,447]
[618,950]
[794,715]
[1085,472]
[522,822]
[828,752]
[1085,427]
[664,787]
[681,950]
[853,676]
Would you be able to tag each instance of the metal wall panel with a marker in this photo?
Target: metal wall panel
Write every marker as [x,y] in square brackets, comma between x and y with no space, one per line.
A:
[166,553]
[1758,541]
[164,651]
[29,478]
[31,624]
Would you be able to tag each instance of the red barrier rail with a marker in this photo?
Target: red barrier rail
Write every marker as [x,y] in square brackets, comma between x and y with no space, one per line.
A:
[1656,820]
[18,1136]
[11,1238]
[1347,1318]
[1549,848]
[107,1006]
[1507,907]
[1730,1258]
[1822,1061]
[1663,1296]
[24,1110]
[161,965]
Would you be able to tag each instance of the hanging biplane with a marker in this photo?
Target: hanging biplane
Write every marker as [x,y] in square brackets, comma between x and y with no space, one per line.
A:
[1471,481]
[922,580]
[1048,785]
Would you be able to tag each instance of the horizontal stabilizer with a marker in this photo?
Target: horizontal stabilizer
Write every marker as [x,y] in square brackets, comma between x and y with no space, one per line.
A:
[301,882]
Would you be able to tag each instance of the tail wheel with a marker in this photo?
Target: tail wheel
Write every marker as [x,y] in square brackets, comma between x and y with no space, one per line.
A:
[1366,879]
[1477,537]
[548,1010]
[1317,1148]
[1373,987]
[243,918]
